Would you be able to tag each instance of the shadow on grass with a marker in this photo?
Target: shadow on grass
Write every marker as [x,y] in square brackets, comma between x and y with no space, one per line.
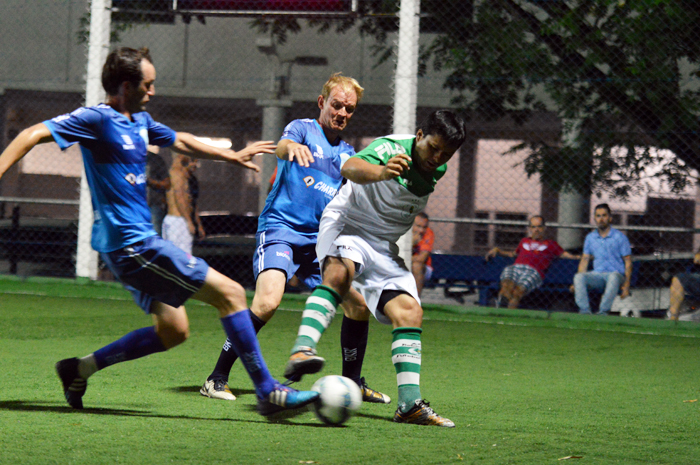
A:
[191,389]
[54,407]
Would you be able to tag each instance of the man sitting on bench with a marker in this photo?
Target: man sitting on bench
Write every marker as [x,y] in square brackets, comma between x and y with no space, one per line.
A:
[534,255]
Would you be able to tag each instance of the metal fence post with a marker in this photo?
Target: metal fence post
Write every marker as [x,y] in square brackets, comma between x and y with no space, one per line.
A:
[406,88]
[98,48]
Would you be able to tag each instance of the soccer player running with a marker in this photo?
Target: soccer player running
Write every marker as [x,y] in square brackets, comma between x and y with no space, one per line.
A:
[113,137]
[310,157]
[389,184]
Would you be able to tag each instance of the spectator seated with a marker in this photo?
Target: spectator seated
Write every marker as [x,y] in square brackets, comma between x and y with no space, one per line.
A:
[460,274]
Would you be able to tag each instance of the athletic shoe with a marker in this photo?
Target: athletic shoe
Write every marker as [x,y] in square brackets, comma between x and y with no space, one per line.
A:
[217,389]
[73,385]
[285,398]
[303,362]
[422,414]
[372,396]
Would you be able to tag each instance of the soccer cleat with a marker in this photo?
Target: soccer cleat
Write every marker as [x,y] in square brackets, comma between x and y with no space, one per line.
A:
[372,396]
[217,389]
[422,414]
[73,385]
[303,362]
[285,398]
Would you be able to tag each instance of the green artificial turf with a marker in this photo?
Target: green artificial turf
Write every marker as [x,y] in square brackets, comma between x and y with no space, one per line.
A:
[523,387]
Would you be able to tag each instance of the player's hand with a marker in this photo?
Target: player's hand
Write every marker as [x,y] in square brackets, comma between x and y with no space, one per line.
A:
[301,153]
[395,167]
[696,259]
[244,157]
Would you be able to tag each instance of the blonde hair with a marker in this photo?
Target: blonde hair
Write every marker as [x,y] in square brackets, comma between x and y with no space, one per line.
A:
[344,82]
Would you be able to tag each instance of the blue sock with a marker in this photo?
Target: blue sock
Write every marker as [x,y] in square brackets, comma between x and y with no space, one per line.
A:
[240,331]
[134,345]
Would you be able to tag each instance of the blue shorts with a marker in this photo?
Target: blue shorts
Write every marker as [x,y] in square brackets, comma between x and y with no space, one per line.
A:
[290,252]
[155,269]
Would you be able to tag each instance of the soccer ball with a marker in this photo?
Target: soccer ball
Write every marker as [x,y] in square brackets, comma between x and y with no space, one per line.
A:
[340,398]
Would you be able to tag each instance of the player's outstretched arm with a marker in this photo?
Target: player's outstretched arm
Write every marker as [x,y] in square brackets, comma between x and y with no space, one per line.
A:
[22,144]
[186,144]
[360,171]
[289,150]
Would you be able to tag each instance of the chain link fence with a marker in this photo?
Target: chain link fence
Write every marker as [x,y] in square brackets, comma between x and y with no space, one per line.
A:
[568,104]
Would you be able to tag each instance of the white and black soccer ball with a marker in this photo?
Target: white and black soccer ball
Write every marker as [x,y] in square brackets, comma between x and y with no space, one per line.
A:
[340,398]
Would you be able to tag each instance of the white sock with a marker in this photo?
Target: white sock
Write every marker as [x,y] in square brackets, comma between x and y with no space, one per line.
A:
[87,366]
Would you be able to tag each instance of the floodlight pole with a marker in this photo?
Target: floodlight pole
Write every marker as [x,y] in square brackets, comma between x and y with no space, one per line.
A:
[98,48]
[406,89]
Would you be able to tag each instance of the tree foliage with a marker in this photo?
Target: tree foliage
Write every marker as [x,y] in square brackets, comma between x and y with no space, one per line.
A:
[625,71]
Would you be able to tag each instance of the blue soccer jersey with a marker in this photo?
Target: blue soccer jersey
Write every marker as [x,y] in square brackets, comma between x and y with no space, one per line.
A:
[114,154]
[299,194]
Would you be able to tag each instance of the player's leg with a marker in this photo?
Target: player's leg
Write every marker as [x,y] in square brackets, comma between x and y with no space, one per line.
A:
[613,281]
[161,278]
[228,297]
[269,289]
[318,313]
[353,342]
[170,329]
[406,316]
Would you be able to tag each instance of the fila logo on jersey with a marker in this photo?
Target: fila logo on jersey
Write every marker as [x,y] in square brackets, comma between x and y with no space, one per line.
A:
[132,179]
[129,144]
[390,148]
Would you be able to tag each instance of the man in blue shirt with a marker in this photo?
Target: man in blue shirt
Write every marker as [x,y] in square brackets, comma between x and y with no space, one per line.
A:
[310,155]
[612,264]
[113,139]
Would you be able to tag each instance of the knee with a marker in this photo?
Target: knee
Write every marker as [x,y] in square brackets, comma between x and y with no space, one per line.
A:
[412,318]
[172,335]
[233,298]
[264,306]
[355,311]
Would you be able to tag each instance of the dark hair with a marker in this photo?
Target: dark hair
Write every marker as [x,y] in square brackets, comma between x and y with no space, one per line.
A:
[604,206]
[446,124]
[544,223]
[423,215]
[123,65]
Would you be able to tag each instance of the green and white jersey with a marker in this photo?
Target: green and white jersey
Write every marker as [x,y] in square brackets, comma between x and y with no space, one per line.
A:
[385,210]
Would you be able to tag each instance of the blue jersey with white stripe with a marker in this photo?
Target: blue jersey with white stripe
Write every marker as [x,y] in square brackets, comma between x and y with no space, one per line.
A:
[299,194]
[114,155]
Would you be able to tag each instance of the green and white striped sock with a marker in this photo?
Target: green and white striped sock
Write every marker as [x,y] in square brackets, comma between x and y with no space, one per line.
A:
[318,314]
[406,357]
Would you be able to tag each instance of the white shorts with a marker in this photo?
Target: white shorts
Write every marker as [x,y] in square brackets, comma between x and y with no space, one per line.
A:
[175,230]
[377,270]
